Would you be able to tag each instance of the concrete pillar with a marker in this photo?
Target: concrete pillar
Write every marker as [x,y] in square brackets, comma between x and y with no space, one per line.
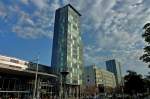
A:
[77,92]
[73,90]
[69,91]
[38,88]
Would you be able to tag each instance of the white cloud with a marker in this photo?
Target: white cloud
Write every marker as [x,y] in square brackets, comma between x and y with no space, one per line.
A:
[2,10]
[37,24]
[113,27]
[25,1]
[40,3]
[116,27]
[55,5]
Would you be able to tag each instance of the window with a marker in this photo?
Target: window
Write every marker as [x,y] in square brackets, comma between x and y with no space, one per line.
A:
[14,66]
[70,69]
[74,27]
[25,63]
[69,23]
[14,61]
[70,17]
[75,81]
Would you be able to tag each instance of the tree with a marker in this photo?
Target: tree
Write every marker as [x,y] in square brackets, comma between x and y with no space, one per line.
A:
[147,82]
[146,56]
[134,83]
[148,76]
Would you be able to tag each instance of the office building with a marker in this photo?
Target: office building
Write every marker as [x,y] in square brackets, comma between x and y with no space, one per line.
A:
[115,67]
[67,44]
[94,76]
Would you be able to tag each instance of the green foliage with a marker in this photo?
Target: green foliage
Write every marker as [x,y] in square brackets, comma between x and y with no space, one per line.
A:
[146,56]
[134,83]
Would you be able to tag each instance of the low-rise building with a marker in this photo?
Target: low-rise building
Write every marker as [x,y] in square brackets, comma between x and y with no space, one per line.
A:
[18,78]
[100,78]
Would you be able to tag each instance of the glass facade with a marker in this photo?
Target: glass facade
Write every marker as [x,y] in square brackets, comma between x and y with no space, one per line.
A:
[115,68]
[94,76]
[67,44]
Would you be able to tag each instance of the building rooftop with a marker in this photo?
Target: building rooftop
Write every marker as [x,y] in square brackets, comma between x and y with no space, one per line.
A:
[72,8]
[15,63]
[98,68]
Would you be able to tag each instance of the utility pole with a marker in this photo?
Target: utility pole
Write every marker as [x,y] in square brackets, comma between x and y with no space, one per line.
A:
[122,86]
[35,82]
[122,81]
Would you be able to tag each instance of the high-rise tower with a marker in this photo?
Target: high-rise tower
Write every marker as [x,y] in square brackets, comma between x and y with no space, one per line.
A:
[67,44]
[115,67]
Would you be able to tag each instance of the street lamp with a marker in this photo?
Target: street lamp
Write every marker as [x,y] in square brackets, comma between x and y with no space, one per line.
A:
[35,82]
[64,72]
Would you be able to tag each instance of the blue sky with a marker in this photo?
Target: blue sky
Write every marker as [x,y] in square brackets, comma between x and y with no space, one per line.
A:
[110,29]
